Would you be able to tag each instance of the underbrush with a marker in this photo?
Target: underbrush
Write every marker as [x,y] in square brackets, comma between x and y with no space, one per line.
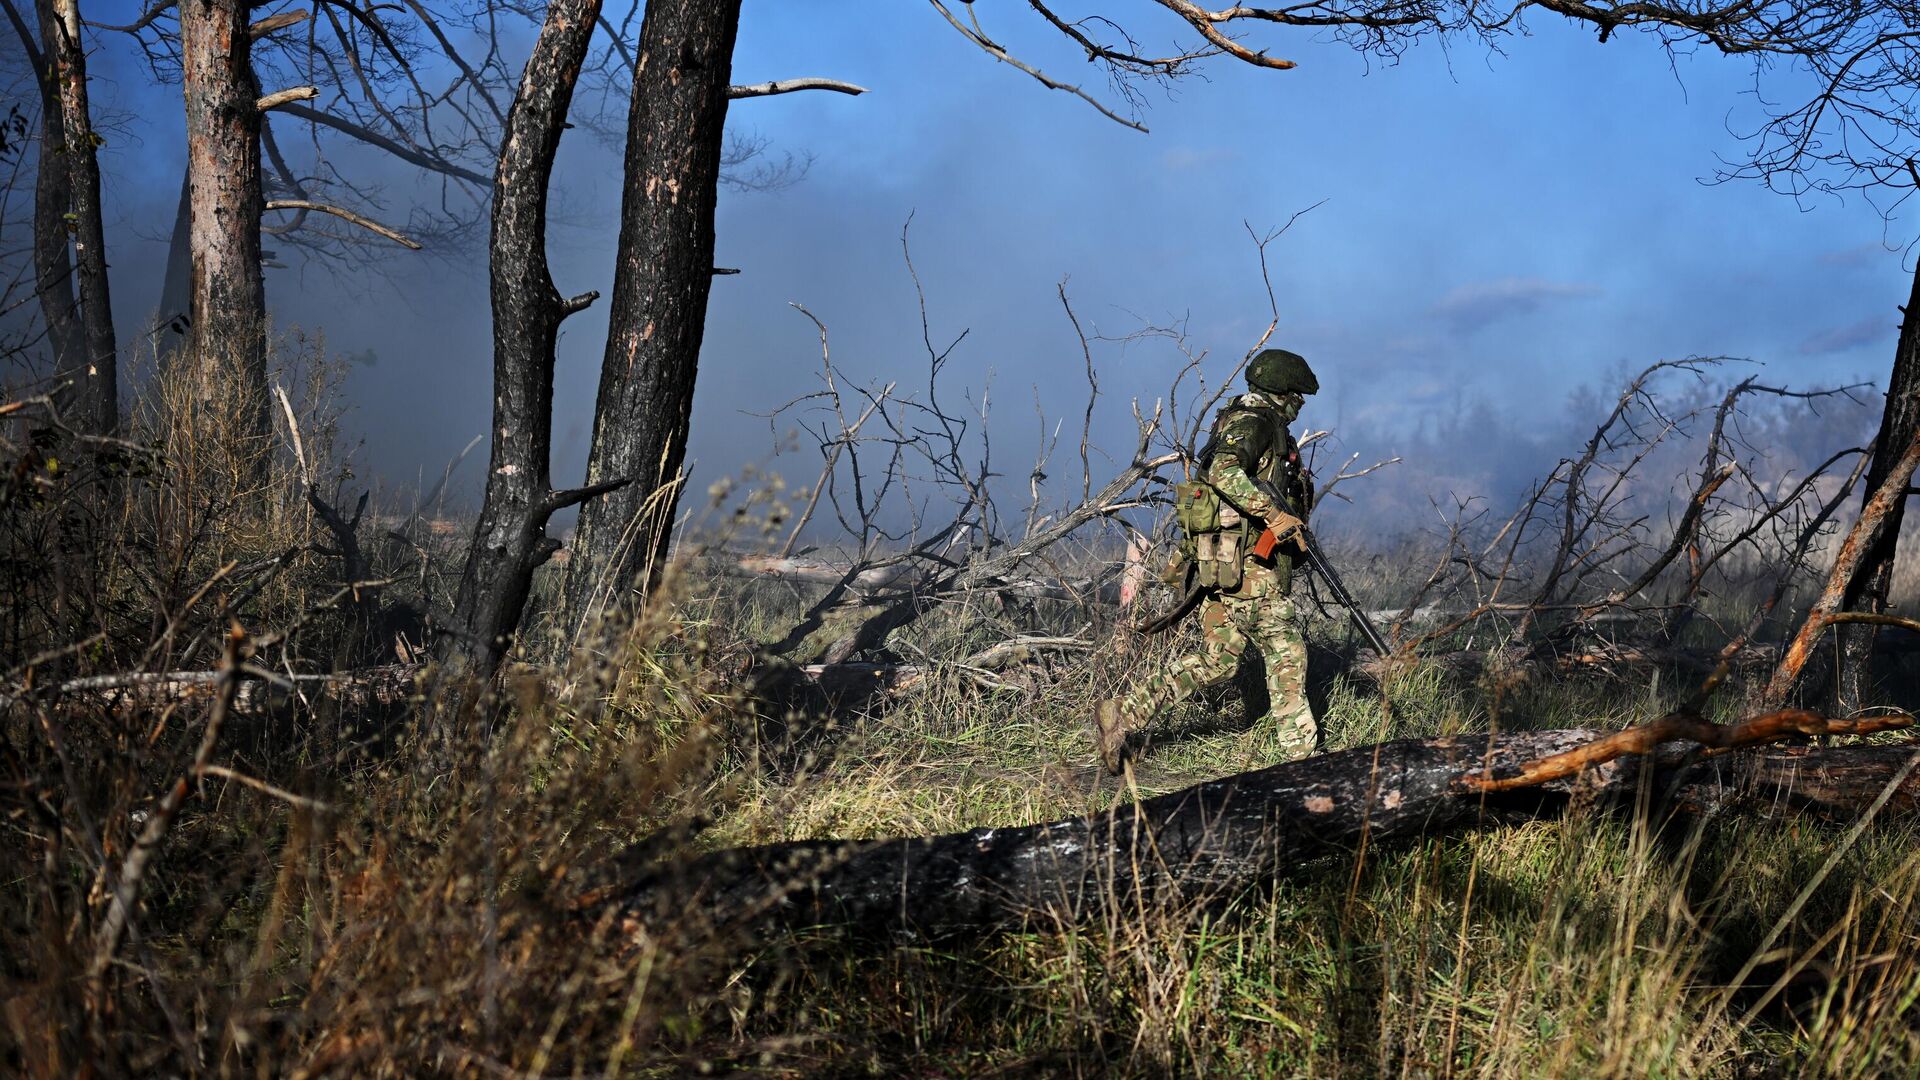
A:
[1585,946]
[339,898]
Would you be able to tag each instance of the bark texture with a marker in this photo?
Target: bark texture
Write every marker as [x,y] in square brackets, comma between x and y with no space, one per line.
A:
[1883,502]
[52,264]
[1871,585]
[176,285]
[510,541]
[658,306]
[52,261]
[228,309]
[98,375]
[1219,837]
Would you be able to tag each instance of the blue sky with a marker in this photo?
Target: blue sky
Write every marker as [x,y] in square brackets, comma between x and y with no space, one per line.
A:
[1489,227]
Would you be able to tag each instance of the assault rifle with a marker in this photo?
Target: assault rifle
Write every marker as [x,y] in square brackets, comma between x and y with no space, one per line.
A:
[1317,560]
[1264,547]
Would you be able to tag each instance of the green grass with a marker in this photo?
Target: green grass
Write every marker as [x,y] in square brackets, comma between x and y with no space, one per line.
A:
[428,921]
[1581,947]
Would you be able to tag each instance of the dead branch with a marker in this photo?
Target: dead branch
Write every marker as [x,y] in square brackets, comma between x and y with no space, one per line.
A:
[1580,550]
[788,86]
[1677,727]
[282,97]
[1845,563]
[387,684]
[408,154]
[347,215]
[132,874]
[995,50]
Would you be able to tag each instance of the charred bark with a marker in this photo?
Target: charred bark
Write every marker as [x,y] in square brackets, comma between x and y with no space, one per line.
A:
[1224,836]
[1882,506]
[176,284]
[510,541]
[52,263]
[227,342]
[1870,586]
[659,304]
[98,374]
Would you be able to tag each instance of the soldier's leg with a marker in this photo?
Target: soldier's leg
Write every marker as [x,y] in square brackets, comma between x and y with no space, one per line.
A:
[1221,643]
[1283,647]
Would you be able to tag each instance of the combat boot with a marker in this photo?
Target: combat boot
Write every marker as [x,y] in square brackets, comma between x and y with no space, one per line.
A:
[1110,735]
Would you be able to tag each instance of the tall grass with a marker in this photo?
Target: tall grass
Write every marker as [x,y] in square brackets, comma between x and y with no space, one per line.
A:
[332,906]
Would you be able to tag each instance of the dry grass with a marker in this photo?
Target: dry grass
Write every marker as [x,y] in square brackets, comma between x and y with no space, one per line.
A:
[424,921]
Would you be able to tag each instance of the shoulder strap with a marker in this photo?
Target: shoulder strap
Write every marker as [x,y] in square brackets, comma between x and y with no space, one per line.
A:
[1234,409]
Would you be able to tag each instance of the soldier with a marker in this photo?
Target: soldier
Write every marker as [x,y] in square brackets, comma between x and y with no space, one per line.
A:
[1251,480]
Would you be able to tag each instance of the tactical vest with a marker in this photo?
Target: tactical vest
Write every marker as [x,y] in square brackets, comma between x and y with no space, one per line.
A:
[1216,537]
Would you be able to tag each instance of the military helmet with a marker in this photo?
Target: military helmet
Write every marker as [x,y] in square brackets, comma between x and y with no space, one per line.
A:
[1278,371]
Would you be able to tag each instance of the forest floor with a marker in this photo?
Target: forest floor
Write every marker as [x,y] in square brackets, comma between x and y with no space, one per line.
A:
[341,898]
[1584,946]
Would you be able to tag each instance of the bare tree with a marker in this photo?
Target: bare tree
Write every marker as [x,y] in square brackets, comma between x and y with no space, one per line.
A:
[98,399]
[662,276]
[651,362]
[69,247]
[52,262]
[1858,130]
[342,73]
[1869,587]
[228,342]
[510,541]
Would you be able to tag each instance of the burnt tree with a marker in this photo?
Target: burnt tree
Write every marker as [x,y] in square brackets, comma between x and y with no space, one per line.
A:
[658,308]
[52,261]
[227,341]
[1873,527]
[678,108]
[69,249]
[97,376]
[1216,839]
[1869,587]
[510,542]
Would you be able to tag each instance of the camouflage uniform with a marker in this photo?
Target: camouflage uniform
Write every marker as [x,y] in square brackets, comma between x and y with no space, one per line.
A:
[1260,614]
[1250,439]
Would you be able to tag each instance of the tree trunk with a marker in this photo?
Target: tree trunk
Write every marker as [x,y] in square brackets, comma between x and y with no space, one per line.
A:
[52,262]
[1882,508]
[228,310]
[99,374]
[1215,839]
[659,304]
[510,541]
[176,285]
[1869,588]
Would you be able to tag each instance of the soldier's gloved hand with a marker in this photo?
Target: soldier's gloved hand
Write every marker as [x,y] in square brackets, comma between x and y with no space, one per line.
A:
[1286,527]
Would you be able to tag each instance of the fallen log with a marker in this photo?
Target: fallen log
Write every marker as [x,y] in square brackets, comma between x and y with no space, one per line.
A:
[1615,659]
[903,579]
[1221,837]
[982,665]
[385,685]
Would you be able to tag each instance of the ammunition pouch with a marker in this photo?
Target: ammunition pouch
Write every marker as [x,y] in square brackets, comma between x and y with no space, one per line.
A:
[1219,555]
[1218,537]
[1196,507]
